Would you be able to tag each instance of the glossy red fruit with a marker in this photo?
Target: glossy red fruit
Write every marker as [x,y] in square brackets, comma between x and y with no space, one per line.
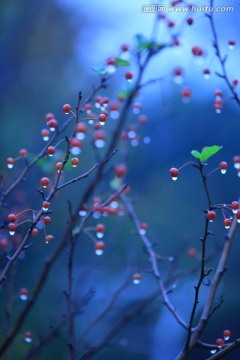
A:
[129,75]
[22,152]
[44,182]
[211,215]
[219,342]
[67,108]
[174,172]
[74,161]
[51,150]
[120,170]
[12,218]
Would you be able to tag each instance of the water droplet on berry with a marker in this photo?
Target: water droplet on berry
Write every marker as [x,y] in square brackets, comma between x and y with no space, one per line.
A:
[10,166]
[99,234]
[99,252]
[114,114]
[99,143]
[213,351]
[75,150]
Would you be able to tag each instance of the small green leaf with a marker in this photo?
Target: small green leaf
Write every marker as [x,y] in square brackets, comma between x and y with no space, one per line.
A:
[209,151]
[196,154]
[124,93]
[121,62]
[100,70]
[116,183]
[206,153]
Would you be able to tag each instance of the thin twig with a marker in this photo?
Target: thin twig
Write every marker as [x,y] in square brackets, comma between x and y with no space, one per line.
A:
[153,258]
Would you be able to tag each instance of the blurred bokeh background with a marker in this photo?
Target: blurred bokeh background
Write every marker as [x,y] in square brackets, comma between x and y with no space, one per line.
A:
[47,50]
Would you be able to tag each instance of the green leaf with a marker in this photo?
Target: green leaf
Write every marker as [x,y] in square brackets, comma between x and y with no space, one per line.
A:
[124,93]
[143,43]
[100,70]
[206,153]
[116,183]
[209,151]
[121,62]
[196,154]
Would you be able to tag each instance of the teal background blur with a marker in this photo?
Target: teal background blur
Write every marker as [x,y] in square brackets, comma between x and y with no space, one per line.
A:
[47,49]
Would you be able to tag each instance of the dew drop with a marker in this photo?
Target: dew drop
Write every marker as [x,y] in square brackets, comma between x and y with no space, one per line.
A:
[99,143]
[99,252]
[99,234]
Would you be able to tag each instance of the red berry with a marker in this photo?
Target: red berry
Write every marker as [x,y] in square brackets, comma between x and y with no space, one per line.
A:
[48,238]
[4,243]
[10,162]
[51,150]
[44,182]
[192,252]
[12,218]
[49,116]
[23,293]
[218,93]
[45,205]
[219,342]
[59,165]
[102,118]
[227,223]
[75,142]
[81,128]
[197,51]
[52,124]
[22,152]
[238,216]
[227,334]
[11,228]
[142,119]
[171,24]
[235,82]
[45,134]
[99,247]
[99,135]
[124,47]
[190,21]
[223,166]
[47,220]
[174,173]
[67,108]
[211,215]
[186,93]
[34,232]
[28,336]
[120,170]
[136,278]
[235,205]
[114,106]
[100,228]
[74,161]
[129,75]
[231,42]
[111,61]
